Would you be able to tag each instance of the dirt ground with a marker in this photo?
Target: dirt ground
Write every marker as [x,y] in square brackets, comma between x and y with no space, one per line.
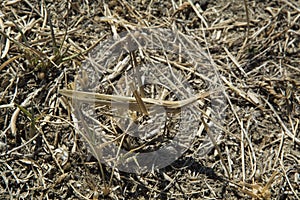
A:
[255,51]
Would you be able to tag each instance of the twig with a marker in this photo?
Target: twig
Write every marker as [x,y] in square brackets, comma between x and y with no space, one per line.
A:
[287,131]
[216,146]
[198,14]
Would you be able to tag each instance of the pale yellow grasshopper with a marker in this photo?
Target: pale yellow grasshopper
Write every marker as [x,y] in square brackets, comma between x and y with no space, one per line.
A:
[130,102]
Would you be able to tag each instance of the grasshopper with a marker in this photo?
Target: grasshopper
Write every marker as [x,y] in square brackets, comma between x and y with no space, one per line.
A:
[130,102]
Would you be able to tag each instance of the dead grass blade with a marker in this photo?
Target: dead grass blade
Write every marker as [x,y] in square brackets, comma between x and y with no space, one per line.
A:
[286,130]
[9,61]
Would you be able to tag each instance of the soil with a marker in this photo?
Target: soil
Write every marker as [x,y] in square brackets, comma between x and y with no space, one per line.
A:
[253,47]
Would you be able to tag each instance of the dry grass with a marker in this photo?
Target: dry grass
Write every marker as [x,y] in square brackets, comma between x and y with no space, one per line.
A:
[256,54]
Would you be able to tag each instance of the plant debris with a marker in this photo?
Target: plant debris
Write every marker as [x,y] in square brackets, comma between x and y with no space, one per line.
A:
[255,51]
